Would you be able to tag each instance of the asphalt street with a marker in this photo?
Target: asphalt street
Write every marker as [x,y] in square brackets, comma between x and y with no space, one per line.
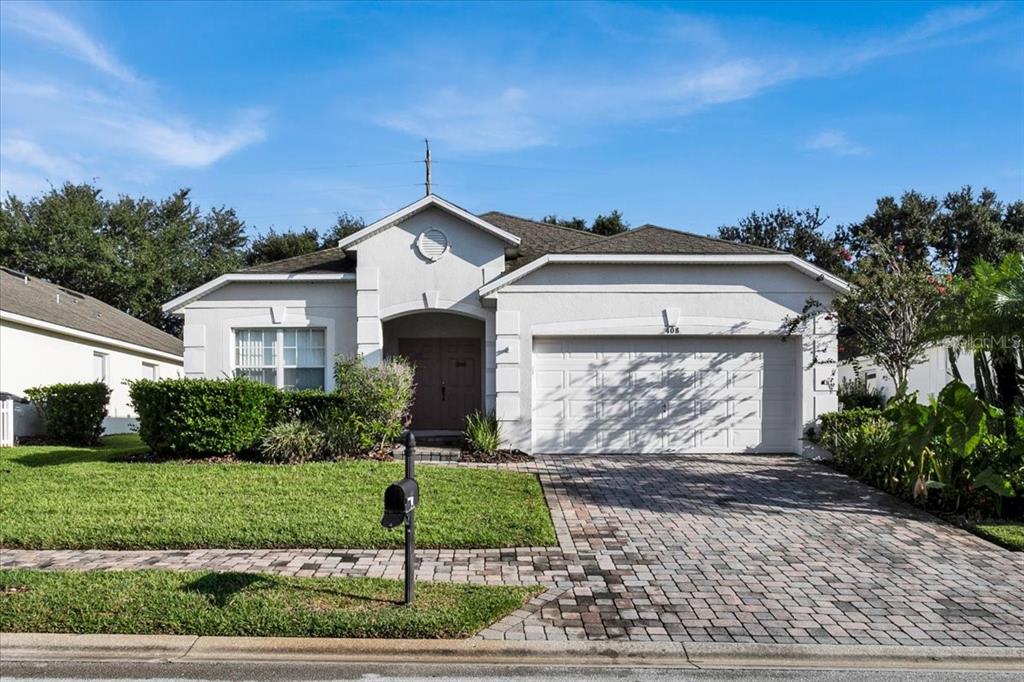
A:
[289,672]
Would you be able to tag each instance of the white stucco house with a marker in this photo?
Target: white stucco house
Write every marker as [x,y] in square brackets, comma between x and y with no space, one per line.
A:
[50,334]
[650,341]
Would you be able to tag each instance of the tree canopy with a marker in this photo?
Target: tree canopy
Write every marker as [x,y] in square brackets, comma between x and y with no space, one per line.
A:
[796,231]
[133,254]
[136,254]
[603,224]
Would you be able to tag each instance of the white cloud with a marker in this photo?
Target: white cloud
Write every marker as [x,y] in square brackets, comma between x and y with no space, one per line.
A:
[543,104]
[180,143]
[25,151]
[836,142]
[493,122]
[111,124]
[44,25]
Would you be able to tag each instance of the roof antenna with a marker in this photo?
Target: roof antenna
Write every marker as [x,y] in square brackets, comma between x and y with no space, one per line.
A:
[426,162]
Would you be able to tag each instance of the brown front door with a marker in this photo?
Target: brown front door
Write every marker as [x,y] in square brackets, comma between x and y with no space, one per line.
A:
[448,380]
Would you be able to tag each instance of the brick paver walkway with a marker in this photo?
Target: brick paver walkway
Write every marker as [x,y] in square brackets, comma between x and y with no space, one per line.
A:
[697,548]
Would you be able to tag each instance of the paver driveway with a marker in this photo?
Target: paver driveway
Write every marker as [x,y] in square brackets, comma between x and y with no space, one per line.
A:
[699,548]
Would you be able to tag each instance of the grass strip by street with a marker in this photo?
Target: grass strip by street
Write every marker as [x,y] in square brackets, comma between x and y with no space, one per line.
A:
[1008,535]
[59,497]
[246,604]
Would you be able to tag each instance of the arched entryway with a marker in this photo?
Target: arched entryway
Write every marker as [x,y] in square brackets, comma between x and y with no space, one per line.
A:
[448,352]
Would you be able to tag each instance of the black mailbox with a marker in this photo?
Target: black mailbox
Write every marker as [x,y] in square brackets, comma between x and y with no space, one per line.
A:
[399,499]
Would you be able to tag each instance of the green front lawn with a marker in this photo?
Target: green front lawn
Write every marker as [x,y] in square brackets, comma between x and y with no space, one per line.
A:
[1008,535]
[245,604]
[65,497]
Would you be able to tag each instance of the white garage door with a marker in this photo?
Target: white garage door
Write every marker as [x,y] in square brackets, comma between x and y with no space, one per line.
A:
[664,394]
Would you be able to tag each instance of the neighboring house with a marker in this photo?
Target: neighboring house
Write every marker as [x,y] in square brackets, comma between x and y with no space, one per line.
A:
[50,334]
[649,341]
[927,377]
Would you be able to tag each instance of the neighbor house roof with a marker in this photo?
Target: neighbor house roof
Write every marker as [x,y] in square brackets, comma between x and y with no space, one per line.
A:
[651,239]
[31,297]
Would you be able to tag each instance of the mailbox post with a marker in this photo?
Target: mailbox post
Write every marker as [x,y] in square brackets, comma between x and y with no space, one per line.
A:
[400,500]
[410,519]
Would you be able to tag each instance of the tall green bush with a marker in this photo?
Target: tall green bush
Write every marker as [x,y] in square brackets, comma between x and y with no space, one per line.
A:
[199,417]
[376,400]
[72,413]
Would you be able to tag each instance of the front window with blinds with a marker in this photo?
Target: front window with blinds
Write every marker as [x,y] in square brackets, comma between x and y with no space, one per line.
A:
[286,358]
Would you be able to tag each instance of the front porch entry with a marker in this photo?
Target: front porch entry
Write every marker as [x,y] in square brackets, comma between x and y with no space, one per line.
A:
[447,380]
[447,352]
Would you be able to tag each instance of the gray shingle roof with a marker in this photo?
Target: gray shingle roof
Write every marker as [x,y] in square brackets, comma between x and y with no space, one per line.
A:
[651,239]
[48,302]
[331,259]
[538,238]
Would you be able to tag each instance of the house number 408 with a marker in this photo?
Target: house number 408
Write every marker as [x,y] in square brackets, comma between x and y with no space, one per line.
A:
[671,329]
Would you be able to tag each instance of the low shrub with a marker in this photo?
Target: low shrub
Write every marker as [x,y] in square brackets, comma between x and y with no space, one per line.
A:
[482,433]
[865,449]
[199,417]
[292,442]
[72,413]
[832,425]
[854,393]
[308,405]
[957,454]
[374,402]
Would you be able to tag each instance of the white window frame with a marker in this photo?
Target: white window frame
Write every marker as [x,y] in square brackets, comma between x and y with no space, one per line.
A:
[104,359]
[279,365]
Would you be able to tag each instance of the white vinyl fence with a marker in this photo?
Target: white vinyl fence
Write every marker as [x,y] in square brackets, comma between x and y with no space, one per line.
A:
[6,423]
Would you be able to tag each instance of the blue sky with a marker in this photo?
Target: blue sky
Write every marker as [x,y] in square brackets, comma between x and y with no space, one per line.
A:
[687,115]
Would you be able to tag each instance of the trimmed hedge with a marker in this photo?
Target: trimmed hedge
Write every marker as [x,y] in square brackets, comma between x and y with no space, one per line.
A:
[72,413]
[834,424]
[199,417]
[308,405]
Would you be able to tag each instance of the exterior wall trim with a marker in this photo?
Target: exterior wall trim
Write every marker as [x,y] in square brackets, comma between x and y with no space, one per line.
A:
[86,336]
[803,266]
[175,305]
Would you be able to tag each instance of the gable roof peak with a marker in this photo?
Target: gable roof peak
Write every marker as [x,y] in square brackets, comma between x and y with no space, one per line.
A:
[421,204]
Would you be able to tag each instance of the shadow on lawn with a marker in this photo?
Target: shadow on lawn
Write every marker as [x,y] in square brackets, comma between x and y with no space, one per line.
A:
[220,588]
[77,456]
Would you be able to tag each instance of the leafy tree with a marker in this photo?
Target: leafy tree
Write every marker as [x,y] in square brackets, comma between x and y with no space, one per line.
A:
[575,223]
[605,225]
[346,225]
[895,308]
[608,225]
[909,225]
[277,245]
[798,232]
[972,229]
[987,315]
[134,254]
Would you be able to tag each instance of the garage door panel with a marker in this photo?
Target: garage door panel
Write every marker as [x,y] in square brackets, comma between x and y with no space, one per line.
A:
[614,409]
[717,439]
[647,441]
[673,394]
[745,439]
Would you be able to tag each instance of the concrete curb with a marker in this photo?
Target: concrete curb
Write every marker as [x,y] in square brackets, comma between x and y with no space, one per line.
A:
[187,648]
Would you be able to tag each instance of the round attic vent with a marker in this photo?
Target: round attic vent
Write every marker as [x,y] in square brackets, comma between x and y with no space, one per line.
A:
[432,244]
